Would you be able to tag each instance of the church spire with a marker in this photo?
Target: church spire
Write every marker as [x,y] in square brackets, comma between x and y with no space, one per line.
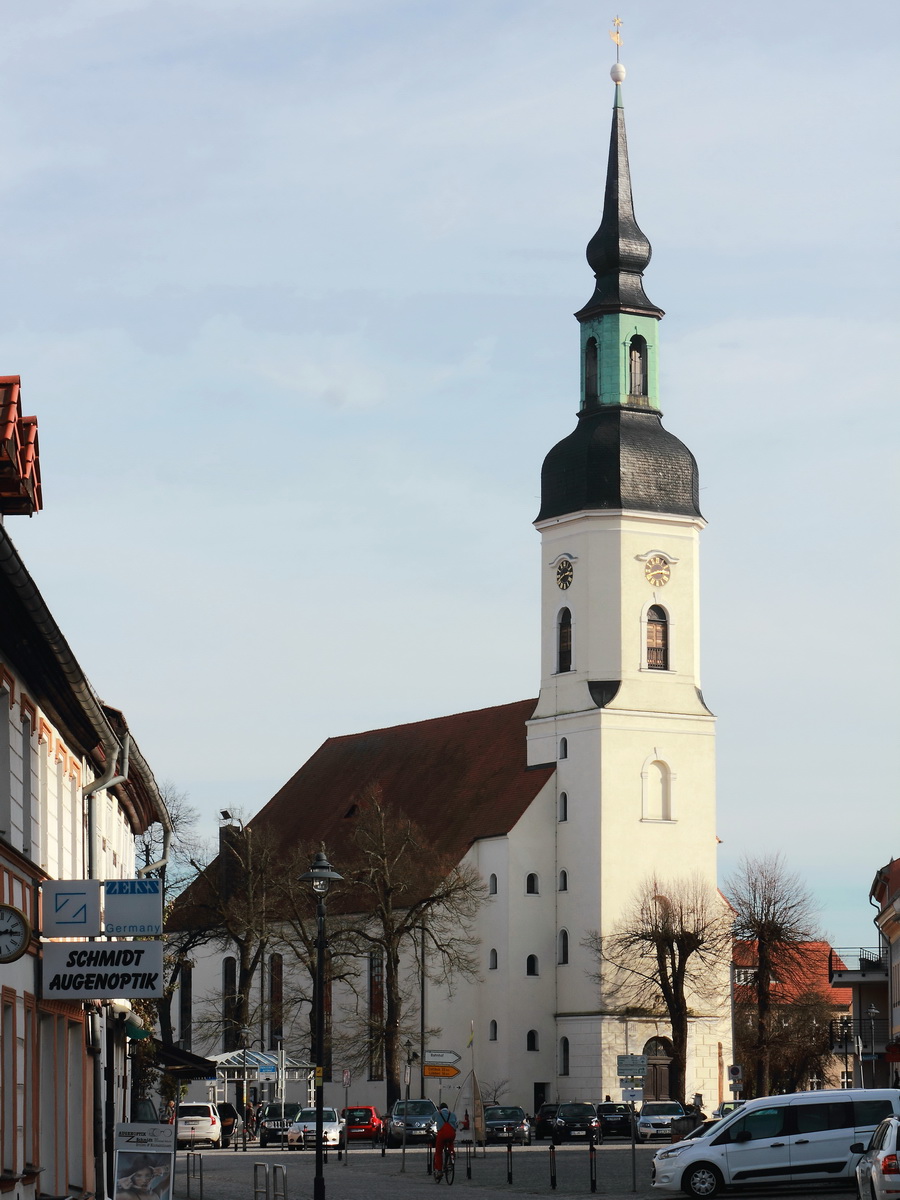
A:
[619,250]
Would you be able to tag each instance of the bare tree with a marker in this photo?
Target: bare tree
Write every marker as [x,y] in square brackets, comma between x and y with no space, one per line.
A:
[799,1042]
[775,912]
[399,889]
[493,1090]
[669,952]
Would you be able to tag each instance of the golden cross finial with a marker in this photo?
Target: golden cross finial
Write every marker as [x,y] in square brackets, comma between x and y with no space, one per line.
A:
[615,35]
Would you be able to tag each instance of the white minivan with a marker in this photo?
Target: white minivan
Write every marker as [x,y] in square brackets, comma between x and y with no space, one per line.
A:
[777,1139]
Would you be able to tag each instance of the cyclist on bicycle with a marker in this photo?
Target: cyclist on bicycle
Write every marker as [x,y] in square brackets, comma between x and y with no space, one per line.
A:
[446,1136]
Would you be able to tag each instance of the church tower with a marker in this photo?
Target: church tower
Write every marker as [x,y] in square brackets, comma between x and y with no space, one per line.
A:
[620,711]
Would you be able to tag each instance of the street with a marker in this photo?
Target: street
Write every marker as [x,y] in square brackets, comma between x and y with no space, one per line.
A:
[364,1174]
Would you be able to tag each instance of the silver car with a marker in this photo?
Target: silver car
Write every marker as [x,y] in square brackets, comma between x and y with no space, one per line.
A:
[878,1171]
[303,1131]
[656,1119]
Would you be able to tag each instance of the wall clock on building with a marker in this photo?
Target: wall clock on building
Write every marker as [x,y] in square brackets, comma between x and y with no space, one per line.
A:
[564,573]
[15,933]
[657,570]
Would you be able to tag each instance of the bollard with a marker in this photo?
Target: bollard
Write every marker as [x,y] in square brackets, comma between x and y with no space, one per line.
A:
[261,1181]
[429,1159]
[592,1159]
[552,1167]
[468,1160]
[383,1144]
[279,1193]
[509,1163]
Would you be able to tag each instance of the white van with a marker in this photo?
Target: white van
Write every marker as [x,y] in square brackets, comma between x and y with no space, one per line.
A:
[777,1139]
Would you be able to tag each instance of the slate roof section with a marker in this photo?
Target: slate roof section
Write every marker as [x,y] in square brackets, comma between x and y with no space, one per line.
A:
[620,458]
[619,251]
[459,778]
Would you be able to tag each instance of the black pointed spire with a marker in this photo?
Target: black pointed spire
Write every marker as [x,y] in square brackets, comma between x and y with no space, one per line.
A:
[619,251]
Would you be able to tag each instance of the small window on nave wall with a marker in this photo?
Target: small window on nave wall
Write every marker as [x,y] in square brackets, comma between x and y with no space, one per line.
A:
[531,1040]
[492,885]
[531,965]
[562,956]
[564,881]
[563,806]
[532,887]
[492,1031]
[492,960]
[563,748]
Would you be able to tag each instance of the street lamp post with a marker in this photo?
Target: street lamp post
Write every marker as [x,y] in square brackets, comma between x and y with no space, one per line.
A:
[872,1012]
[320,875]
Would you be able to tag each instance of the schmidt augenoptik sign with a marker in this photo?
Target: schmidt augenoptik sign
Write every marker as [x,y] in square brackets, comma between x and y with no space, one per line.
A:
[102,970]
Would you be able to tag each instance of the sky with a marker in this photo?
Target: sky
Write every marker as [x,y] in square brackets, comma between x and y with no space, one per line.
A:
[290,284]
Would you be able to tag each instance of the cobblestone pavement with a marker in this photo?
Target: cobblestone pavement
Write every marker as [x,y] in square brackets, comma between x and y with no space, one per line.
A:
[366,1175]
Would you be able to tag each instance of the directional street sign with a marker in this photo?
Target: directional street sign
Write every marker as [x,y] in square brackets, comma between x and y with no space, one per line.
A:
[439,1071]
[267,1070]
[442,1056]
[631,1064]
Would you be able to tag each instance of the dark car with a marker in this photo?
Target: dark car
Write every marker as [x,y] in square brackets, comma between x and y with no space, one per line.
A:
[543,1121]
[615,1119]
[506,1123]
[274,1120]
[419,1117]
[231,1122]
[576,1122]
[363,1122]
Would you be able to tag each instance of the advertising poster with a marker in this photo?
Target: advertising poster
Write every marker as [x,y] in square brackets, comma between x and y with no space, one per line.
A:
[145,1162]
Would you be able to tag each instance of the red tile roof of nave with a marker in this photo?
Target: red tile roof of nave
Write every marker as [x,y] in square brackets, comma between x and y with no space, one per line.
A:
[459,778]
[814,980]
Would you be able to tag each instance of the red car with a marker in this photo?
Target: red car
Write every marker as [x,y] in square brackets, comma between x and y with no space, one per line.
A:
[363,1123]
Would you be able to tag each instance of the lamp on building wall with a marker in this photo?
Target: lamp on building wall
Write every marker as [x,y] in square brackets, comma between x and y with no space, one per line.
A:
[320,875]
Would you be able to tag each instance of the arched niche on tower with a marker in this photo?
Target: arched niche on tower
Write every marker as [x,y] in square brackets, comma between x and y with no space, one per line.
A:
[657,787]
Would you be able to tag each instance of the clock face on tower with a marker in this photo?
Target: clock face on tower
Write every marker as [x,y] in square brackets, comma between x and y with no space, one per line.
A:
[564,573]
[657,570]
[15,933]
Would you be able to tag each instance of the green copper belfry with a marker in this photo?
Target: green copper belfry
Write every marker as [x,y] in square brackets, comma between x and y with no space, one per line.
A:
[619,325]
[619,456]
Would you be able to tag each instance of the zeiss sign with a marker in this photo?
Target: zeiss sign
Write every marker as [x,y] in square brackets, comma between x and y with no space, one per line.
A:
[133,908]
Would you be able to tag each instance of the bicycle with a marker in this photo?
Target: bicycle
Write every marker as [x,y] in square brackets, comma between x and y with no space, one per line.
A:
[449,1165]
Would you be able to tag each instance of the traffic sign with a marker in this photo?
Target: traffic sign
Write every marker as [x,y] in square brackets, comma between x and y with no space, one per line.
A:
[439,1071]
[267,1069]
[736,1072]
[345,1077]
[635,1095]
[442,1056]
[631,1064]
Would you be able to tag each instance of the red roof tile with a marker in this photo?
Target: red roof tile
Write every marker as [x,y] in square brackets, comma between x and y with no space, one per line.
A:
[814,977]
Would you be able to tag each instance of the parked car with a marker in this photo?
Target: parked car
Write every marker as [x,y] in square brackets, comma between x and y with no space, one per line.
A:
[363,1123]
[198,1123]
[302,1132]
[419,1117]
[274,1120]
[726,1107]
[656,1118]
[543,1121]
[576,1121]
[144,1111]
[231,1122]
[808,1137]
[615,1118]
[506,1123]
[878,1171]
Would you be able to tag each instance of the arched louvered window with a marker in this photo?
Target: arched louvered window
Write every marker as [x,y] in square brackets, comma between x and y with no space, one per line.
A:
[532,887]
[492,960]
[657,639]
[591,373]
[492,1031]
[637,366]
[492,885]
[564,641]
[531,965]
[564,1056]
[564,881]
[562,947]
